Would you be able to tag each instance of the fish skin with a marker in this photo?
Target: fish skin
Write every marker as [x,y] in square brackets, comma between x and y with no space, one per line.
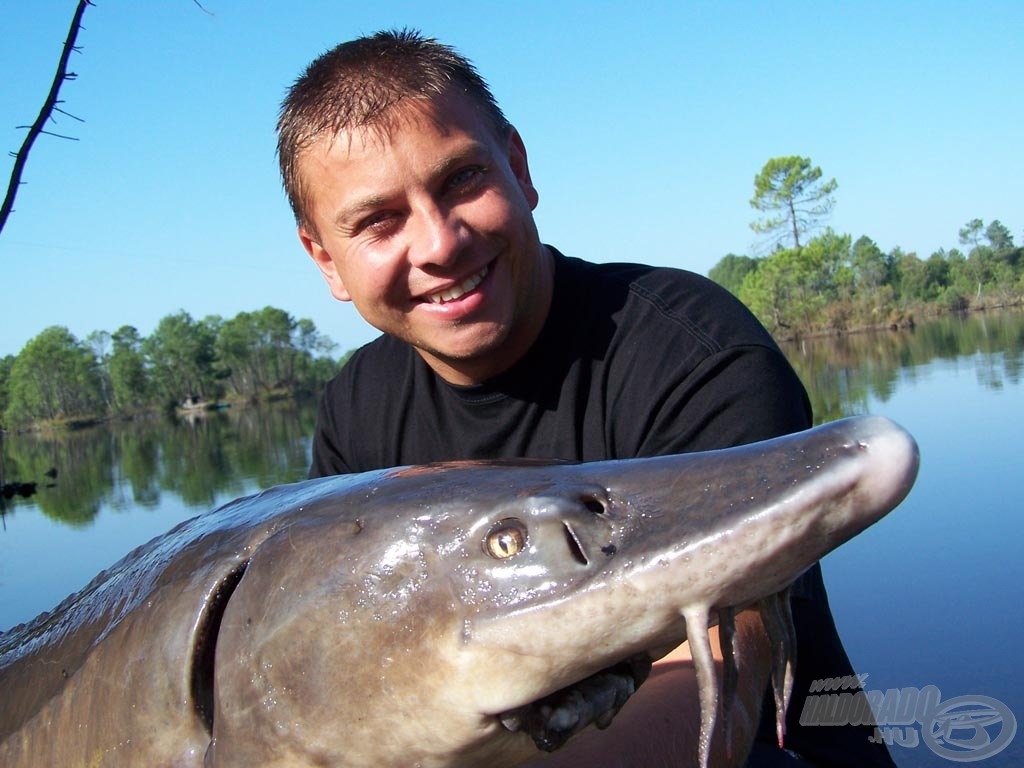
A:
[366,620]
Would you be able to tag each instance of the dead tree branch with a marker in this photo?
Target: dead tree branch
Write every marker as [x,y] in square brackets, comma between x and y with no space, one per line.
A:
[45,114]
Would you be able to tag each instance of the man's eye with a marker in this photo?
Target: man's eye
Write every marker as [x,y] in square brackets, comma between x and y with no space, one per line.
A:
[465,178]
[376,222]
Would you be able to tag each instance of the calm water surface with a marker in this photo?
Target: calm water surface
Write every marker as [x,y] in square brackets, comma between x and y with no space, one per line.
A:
[118,487]
[932,595]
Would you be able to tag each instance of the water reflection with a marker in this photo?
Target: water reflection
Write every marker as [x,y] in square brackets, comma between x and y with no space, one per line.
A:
[843,374]
[132,464]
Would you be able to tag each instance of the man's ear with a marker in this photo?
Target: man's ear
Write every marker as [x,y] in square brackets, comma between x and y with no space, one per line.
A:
[325,264]
[521,168]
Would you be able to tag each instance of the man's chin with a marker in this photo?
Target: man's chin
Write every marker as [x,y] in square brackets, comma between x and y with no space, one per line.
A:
[469,360]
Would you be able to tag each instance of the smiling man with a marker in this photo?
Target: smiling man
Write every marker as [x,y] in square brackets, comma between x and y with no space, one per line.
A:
[413,195]
[427,229]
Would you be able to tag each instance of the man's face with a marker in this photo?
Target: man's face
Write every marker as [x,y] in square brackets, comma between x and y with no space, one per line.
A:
[429,232]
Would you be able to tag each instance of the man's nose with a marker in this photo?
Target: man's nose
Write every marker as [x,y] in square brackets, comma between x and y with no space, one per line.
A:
[436,238]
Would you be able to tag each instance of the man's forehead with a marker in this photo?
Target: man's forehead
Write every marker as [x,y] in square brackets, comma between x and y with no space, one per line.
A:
[413,116]
[443,115]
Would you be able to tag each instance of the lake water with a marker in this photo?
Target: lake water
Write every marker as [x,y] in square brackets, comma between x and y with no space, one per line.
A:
[930,596]
[933,594]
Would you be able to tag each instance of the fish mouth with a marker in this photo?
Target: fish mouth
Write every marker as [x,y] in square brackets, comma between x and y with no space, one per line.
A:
[553,719]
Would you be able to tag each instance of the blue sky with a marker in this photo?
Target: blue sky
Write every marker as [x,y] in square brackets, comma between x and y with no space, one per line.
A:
[645,125]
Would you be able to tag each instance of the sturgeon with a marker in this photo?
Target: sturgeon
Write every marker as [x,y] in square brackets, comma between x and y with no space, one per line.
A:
[459,614]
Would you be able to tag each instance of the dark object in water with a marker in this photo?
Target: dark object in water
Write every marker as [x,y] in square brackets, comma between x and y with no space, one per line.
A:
[10,490]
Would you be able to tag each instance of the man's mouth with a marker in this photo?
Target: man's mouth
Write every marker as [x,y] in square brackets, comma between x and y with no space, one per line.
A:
[460,290]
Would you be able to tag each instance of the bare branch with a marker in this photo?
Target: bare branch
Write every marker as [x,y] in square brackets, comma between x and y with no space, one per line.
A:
[68,114]
[44,114]
[60,135]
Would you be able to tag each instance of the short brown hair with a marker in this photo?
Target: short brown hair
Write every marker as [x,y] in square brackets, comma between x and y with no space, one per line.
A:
[356,84]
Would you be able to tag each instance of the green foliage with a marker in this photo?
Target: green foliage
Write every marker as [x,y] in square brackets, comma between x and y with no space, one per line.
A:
[999,236]
[265,351]
[912,276]
[792,286]
[731,270]
[54,378]
[129,379]
[791,191]
[971,232]
[255,355]
[181,355]
[832,285]
[6,363]
[872,267]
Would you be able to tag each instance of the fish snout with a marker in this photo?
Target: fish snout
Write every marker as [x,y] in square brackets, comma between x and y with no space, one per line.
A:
[893,460]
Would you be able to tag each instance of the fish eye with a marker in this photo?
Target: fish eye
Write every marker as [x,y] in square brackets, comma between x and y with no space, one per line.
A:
[506,539]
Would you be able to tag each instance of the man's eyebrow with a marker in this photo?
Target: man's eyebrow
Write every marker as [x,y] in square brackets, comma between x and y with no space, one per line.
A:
[471,150]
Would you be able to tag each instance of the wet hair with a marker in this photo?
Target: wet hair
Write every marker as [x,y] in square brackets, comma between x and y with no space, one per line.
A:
[358,84]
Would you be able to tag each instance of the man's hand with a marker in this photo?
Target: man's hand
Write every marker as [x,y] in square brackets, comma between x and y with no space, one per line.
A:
[660,724]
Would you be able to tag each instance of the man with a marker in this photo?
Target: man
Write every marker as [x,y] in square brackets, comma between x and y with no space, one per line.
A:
[413,195]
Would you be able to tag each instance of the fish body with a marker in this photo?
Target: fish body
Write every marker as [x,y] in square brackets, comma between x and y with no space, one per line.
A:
[434,615]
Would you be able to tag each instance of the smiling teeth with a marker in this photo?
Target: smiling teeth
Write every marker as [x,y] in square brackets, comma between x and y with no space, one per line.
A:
[461,289]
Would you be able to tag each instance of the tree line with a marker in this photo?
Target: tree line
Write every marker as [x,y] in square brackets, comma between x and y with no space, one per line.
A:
[57,378]
[831,283]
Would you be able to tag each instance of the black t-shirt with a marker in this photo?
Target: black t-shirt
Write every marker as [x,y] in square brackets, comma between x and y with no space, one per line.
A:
[632,361]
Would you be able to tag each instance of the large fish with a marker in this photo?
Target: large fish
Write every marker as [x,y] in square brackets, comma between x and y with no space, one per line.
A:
[460,614]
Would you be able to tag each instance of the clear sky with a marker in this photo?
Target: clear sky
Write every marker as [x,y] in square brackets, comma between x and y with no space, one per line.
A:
[645,124]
